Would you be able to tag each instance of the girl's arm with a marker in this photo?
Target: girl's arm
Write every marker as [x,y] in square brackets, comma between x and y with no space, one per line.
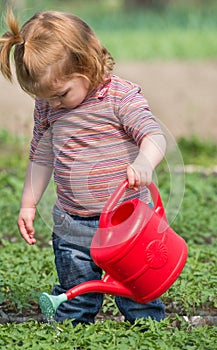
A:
[36,181]
[151,153]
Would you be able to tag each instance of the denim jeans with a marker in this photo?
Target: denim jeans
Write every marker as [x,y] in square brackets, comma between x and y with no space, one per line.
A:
[74,265]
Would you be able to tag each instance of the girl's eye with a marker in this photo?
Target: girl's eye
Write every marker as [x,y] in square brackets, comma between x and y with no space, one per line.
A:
[64,94]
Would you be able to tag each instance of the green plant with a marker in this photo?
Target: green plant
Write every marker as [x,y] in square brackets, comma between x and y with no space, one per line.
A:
[27,271]
[171,334]
[23,277]
[198,152]
[197,220]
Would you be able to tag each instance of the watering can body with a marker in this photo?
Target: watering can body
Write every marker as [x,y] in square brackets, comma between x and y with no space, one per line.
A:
[140,254]
[134,244]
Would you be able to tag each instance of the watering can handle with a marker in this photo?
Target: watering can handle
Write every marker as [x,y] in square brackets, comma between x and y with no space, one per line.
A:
[118,193]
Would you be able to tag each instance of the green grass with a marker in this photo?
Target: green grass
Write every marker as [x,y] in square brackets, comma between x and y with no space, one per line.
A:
[26,271]
[178,32]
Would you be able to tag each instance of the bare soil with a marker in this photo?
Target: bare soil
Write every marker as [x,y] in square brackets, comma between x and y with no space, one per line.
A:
[181,94]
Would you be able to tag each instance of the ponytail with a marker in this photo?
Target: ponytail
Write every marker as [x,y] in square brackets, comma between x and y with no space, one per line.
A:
[7,41]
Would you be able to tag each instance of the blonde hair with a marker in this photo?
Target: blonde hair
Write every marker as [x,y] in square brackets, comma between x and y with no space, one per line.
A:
[50,46]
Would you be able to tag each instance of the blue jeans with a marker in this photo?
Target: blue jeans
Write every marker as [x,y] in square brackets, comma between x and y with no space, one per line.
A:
[74,265]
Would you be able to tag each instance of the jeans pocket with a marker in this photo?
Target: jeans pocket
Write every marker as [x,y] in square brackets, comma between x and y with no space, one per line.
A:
[61,221]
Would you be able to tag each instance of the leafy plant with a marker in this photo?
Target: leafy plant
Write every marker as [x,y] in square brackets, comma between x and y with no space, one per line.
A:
[198,152]
[197,220]
[31,270]
[26,271]
[169,334]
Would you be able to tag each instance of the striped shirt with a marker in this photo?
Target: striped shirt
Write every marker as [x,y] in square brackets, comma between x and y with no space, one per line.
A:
[90,146]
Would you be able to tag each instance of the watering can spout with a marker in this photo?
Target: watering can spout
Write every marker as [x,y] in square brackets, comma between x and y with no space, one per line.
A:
[106,286]
[50,303]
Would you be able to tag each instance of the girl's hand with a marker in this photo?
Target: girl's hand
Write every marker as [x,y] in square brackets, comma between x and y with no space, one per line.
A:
[36,181]
[25,224]
[151,153]
[139,173]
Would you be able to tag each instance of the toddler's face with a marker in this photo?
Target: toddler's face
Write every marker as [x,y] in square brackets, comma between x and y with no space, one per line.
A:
[67,94]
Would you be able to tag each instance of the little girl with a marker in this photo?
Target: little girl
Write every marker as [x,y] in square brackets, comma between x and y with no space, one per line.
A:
[92,129]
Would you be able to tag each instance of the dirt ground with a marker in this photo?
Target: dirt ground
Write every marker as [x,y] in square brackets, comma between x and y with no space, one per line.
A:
[181,94]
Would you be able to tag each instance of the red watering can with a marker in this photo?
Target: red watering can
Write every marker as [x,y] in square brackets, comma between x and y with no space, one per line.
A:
[140,254]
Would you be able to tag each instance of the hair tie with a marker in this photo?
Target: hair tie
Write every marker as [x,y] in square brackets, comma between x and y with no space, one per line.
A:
[16,38]
[19,39]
